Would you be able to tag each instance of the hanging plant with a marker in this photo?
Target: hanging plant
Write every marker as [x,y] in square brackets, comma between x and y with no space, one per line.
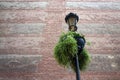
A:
[66,49]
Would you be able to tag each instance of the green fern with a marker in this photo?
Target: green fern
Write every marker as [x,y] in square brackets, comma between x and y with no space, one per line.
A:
[66,49]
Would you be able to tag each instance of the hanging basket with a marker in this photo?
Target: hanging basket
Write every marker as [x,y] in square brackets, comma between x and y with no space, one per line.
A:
[66,49]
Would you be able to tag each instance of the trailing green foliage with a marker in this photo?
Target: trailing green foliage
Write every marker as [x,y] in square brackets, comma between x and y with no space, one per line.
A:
[66,49]
[84,60]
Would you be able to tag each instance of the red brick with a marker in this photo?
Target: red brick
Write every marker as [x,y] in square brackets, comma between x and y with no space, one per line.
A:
[96,28]
[102,37]
[56,5]
[20,51]
[95,17]
[94,0]
[26,28]
[19,63]
[103,43]
[104,51]
[20,35]
[92,5]
[23,5]
[22,16]
[55,16]
[23,0]
[20,42]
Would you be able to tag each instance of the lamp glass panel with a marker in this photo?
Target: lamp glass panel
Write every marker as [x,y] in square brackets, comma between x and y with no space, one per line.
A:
[71,21]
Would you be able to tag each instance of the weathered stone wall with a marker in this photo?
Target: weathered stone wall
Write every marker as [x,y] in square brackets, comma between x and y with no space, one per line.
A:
[29,30]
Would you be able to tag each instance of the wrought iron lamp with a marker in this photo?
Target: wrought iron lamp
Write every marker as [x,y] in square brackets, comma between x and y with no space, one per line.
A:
[71,19]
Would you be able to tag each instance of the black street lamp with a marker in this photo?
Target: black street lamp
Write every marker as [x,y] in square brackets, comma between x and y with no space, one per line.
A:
[71,19]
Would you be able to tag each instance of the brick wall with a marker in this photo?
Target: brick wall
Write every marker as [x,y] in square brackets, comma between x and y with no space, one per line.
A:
[29,30]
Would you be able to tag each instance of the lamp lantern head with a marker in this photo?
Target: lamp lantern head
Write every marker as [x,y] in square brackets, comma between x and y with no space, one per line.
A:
[71,19]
